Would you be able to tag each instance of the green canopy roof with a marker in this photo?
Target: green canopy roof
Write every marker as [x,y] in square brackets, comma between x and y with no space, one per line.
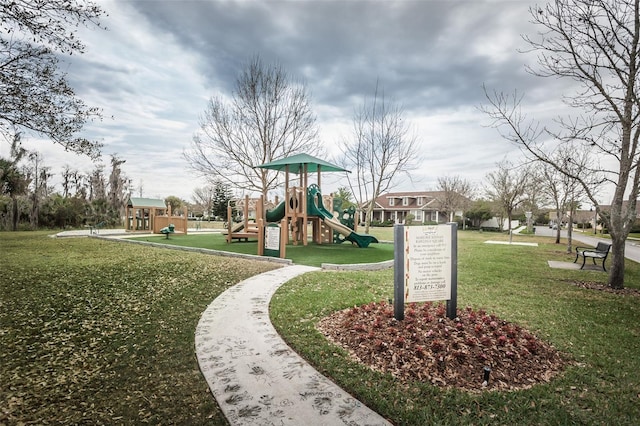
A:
[296,162]
[146,202]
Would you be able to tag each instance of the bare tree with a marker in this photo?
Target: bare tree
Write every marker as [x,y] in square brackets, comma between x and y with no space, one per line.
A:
[564,191]
[34,93]
[203,198]
[507,187]
[140,188]
[456,194]
[381,150]
[268,117]
[595,43]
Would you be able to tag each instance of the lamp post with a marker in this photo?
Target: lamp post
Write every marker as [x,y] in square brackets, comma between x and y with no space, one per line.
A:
[528,215]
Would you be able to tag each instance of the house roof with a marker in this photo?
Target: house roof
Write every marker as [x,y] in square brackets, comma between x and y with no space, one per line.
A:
[146,202]
[605,208]
[296,162]
[430,200]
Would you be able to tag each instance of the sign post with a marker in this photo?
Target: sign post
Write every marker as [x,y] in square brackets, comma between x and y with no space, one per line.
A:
[398,272]
[272,240]
[426,266]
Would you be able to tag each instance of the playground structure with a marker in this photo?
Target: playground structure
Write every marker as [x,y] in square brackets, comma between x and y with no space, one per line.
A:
[247,228]
[302,205]
[152,215]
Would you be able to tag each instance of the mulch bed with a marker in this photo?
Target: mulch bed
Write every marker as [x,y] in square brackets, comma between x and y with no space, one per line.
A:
[429,347]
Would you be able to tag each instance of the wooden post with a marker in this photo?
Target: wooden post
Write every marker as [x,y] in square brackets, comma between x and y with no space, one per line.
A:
[293,203]
[287,211]
[305,169]
[245,212]
[284,236]
[260,237]
[229,223]
[260,210]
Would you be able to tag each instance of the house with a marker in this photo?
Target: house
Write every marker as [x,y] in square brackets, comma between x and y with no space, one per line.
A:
[425,206]
[591,217]
[625,205]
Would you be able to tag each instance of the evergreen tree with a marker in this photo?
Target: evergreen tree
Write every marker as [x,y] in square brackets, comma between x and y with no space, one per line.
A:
[222,195]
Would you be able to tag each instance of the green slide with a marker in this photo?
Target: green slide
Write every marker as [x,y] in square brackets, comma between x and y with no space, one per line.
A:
[276,214]
[316,208]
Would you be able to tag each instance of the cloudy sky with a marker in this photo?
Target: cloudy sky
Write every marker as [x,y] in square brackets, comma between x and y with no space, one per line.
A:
[159,62]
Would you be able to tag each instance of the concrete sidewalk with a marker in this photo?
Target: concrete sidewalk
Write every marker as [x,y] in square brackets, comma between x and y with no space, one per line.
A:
[255,377]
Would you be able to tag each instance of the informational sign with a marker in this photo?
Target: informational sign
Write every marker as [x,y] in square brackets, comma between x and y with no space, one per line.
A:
[426,266]
[272,240]
[427,263]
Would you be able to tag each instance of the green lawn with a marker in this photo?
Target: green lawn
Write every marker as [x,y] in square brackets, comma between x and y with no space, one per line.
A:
[598,331]
[101,332]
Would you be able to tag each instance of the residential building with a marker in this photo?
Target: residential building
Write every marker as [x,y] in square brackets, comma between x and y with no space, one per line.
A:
[425,206]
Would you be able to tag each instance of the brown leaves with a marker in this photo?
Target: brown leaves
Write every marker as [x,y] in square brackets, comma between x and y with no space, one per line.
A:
[427,346]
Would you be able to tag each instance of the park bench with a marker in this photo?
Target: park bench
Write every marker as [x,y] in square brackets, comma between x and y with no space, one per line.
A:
[168,230]
[601,251]
[93,228]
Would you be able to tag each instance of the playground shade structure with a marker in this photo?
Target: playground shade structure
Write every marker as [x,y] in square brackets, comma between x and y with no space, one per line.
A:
[308,202]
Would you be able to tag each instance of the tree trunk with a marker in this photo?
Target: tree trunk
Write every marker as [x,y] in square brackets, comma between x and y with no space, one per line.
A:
[14,215]
[367,218]
[569,233]
[616,268]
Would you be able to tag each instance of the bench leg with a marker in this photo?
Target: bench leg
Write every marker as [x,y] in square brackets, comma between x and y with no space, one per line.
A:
[584,259]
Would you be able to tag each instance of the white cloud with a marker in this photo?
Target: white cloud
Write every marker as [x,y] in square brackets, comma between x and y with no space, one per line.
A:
[155,68]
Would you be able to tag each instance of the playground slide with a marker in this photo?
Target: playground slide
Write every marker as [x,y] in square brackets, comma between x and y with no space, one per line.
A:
[317,208]
[276,214]
[362,240]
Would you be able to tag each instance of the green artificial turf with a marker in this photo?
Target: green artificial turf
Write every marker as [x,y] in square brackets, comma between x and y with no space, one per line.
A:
[310,255]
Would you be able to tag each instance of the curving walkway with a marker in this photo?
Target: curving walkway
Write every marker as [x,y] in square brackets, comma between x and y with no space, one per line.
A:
[255,377]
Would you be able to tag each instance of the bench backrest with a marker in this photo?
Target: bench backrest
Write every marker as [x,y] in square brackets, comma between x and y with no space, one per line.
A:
[603,247]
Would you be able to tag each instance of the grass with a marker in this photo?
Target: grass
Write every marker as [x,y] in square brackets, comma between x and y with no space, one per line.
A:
[310,255]
[100,332]
[599,332]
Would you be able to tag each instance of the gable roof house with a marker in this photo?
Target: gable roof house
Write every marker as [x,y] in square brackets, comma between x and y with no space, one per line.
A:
[589,216]
[425,206]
